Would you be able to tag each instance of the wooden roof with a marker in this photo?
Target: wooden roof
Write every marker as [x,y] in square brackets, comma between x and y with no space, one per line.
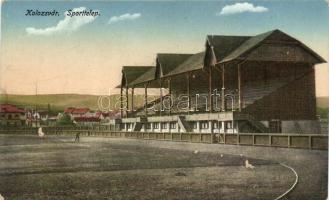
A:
[225,49]
[274,36]
[193,63]
[149,75]
[168,62]
[131,73]
[223,45]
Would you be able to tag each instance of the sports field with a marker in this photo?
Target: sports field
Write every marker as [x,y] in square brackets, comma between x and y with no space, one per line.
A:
[105,168]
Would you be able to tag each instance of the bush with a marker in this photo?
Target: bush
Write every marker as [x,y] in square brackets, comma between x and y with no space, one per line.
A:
[65,120]
[323,112]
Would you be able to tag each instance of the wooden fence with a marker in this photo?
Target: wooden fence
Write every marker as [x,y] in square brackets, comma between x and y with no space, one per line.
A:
[305,141]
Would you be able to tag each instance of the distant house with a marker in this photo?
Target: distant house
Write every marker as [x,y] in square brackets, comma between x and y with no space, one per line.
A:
[87,121]
[33,118]
[46,118]
[11,115]
[87,117]
[76,112]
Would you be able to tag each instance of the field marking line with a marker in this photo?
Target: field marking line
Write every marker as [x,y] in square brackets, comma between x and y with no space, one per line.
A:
[293,185]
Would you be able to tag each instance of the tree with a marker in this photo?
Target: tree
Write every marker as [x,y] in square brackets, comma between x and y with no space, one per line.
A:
[65,120]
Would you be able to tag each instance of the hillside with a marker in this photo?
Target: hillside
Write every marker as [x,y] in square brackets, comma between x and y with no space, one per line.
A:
[322,102]
[58,102]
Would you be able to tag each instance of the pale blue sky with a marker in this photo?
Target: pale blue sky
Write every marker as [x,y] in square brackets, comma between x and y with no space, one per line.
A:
[100,49]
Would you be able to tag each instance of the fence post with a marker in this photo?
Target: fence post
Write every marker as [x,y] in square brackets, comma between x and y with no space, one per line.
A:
[253,139]
[270,140]
[310,141]
[224,137]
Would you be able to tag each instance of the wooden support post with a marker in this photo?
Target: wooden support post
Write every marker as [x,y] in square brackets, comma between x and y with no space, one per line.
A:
[210,97]
[121,101]
[189,91]
[239,87]
[161,102]
[223,88]
[127,98]
[145,98]
[132,100]
[170,98]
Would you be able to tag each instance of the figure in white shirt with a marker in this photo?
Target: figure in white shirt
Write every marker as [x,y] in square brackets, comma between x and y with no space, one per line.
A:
[41,134]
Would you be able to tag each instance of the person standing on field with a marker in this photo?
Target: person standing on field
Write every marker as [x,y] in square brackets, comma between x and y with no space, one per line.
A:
[77,137]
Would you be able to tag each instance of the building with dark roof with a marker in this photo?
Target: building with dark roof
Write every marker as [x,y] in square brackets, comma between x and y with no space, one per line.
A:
[262,83]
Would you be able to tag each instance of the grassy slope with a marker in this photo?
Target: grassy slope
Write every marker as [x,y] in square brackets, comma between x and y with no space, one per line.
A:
[322,106]
[58,102]
[322,102]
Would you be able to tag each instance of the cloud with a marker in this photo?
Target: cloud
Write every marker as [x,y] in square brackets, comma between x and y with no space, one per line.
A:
[327,2]
[240,8]
[68,24]
[124,17]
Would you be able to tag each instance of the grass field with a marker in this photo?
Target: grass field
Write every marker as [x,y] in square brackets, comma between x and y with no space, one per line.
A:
[57,168]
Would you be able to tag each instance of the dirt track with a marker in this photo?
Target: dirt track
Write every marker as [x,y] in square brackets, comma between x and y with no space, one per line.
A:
[104,168]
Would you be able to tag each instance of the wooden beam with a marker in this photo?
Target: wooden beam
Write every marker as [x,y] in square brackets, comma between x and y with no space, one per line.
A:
[169,86]
[132,100]
[161,99]
[127,98]
[145,98]
[121,102]
[210,90]
[188,75]
[223,88]
[239,87]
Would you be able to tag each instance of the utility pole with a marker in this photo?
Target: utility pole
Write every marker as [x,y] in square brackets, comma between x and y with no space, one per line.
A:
[36,106]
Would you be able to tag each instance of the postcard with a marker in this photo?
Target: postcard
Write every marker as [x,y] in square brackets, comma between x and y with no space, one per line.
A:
[164,100]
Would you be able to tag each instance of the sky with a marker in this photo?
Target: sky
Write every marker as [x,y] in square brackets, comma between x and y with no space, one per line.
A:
[62,54]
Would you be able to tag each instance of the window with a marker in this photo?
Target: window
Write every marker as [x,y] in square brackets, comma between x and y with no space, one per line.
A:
[122,126]
[172,125]
[148,126]
[217,125]
[195,125]
[156,125]
[204,125]
[163,125]
[228,125]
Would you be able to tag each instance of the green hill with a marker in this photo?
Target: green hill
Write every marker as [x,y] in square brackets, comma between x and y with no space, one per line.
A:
[58,102]
[322,102]
[322,106]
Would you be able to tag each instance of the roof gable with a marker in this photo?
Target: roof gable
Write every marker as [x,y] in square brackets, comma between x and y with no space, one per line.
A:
[274,36]
[192,63]
[224,45]
[168,62]
[131,73]
[149,75]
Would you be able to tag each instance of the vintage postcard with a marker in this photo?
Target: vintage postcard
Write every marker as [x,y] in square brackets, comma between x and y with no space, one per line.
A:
[164,100]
